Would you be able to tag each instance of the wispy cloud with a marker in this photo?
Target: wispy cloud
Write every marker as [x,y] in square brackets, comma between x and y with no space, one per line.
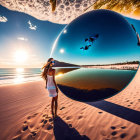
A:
[31,26]
[22,39]
[3,19]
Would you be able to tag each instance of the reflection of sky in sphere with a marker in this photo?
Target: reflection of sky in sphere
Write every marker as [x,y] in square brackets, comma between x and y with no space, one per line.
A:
[117,41]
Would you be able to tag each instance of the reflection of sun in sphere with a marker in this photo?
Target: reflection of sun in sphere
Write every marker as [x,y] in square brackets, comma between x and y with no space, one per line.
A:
[65,31]
[101,56]
[61,50]
[59,75]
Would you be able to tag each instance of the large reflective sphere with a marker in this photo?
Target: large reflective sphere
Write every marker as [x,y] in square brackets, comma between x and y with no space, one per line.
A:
[96,56]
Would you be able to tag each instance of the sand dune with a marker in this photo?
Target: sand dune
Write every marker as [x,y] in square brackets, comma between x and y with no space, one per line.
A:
[25,114]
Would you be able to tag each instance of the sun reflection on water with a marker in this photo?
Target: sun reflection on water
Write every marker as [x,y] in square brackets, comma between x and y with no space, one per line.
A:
[19,76]
[19,70]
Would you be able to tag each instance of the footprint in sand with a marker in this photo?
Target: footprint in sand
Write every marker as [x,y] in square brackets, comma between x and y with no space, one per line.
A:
[45,115]
[50,120]
[33,133]
[123,135]
[100,112]
[70,125]
[35,114]
[29,117]
[68,118]
[45,121]
[113,133]
[42,121]
[25,127]
[62,108]
[80,117]
[25,122]
[49,126]
[113,127]
[31,125]
[127,101]
[131,102]
[123,127]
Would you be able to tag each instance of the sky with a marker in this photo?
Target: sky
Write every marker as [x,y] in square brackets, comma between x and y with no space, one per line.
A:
[24,40]
[117,41]
[27,42]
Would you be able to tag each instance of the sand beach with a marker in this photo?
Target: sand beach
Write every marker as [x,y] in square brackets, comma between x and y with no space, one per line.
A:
[25,114]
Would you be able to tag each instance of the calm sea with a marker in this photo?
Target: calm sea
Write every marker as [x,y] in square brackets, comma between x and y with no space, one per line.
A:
[19,75]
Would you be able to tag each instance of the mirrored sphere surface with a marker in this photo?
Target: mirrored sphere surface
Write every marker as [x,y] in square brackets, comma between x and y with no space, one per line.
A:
[96,56]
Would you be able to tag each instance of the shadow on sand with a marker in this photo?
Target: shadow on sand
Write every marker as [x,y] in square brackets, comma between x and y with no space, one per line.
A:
[94,95]
[117,110]
[64,131]
[87,95]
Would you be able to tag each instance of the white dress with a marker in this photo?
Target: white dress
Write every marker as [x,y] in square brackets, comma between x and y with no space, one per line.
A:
[51,86]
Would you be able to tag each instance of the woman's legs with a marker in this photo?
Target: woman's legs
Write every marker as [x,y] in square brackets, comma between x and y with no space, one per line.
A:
[52,105]
[54,101]
[56,104]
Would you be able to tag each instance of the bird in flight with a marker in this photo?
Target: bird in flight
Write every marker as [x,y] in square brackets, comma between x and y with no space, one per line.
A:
[89,42]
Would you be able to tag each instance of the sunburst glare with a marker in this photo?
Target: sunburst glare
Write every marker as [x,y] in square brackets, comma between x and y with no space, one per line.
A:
[20,56]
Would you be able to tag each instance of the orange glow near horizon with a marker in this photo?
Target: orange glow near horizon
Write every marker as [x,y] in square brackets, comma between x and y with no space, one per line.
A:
[59,75]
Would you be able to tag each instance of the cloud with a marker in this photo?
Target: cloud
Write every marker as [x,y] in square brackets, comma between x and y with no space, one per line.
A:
[3,19]
[31,26]
[22,39]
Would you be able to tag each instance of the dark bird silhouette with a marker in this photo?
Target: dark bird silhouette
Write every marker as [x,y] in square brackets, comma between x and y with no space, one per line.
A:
[89,42]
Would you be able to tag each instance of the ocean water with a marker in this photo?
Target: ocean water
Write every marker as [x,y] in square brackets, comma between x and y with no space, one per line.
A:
[19,75]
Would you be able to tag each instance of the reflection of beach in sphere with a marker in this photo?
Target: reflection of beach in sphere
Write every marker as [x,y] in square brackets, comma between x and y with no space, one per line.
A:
[99,55]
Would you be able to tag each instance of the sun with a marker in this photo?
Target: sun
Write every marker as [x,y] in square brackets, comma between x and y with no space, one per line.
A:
[20,56]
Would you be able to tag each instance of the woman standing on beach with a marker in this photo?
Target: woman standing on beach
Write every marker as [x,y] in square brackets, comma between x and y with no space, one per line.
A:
[48,75]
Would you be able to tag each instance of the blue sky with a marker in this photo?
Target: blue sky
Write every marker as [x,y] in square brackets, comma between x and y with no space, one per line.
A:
[16,34]
[37,43]
[117,41]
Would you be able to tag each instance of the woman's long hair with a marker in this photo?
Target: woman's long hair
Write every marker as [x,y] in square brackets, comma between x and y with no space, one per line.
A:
[46,67]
